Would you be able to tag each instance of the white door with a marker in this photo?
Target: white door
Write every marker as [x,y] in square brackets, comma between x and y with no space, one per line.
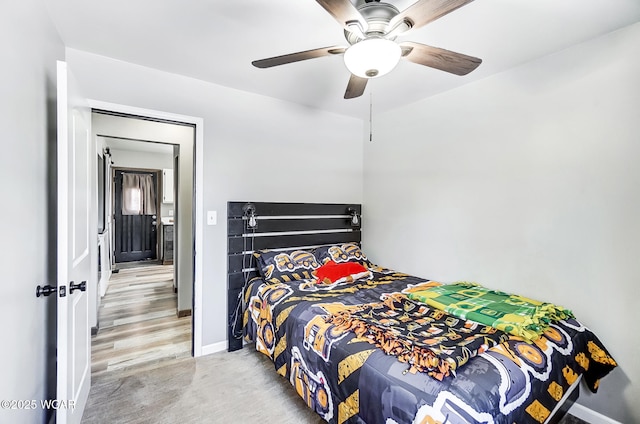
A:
[74,342]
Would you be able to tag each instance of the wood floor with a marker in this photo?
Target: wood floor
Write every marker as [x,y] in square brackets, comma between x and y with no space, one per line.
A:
[138,324]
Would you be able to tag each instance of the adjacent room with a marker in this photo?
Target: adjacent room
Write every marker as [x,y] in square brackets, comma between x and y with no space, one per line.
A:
[138,317]
[497,146]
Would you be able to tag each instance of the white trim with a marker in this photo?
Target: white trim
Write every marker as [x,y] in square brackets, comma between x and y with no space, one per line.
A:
[199,249]
[63,353]
[590,416]
[199,219]
[150,113]
[214,348]
[105,264]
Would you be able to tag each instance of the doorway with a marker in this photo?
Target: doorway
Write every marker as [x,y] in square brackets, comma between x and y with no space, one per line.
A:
[135,215]
[188,238]
[142,293]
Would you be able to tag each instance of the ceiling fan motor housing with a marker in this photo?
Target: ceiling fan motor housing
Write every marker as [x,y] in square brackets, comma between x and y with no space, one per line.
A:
[377,15]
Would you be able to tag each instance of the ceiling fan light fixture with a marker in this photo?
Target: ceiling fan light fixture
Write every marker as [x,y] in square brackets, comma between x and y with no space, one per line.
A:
[372,57]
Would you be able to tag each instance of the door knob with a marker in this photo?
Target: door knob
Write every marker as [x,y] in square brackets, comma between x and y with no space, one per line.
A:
[82,287]
[45,290]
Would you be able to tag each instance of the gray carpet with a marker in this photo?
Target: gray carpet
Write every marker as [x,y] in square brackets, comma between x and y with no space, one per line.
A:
[237,387]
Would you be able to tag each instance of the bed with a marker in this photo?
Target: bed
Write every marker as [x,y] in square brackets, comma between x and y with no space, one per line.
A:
[330,337]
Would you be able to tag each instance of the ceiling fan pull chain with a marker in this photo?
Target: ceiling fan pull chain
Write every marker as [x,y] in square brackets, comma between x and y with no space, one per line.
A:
[370,116]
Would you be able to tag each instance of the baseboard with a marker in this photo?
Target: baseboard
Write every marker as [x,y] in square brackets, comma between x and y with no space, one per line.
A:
[184,313]
[214,348]
[590,416]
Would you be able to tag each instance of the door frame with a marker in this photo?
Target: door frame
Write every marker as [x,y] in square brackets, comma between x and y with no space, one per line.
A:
[158,174]
[198,215]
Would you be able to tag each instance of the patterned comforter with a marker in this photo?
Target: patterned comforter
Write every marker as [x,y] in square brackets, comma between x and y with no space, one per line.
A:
[326,341]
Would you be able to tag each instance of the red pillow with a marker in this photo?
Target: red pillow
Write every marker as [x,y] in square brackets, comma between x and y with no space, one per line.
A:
[331,272]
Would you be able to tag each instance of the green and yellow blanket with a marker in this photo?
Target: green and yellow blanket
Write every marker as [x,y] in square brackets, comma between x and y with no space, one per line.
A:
[513,314]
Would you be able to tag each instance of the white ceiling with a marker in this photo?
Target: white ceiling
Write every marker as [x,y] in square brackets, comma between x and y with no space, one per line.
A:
[217,40]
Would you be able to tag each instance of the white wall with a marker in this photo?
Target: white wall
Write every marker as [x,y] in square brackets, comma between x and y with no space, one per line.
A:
[255,148]
[30,47]
[528,182]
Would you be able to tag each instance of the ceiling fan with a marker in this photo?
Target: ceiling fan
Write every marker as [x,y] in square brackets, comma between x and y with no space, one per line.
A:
[371,28]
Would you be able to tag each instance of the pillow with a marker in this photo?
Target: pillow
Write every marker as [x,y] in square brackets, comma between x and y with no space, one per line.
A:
[349,252]
[331,272]
[283,267]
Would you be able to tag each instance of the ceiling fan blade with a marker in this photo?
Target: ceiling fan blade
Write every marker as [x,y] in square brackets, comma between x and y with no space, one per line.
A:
[344,12]
[444,60]
[356,87]
[424,11]
[297,57]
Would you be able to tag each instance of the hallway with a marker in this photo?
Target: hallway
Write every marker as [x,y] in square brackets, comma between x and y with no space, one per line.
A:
[138,321]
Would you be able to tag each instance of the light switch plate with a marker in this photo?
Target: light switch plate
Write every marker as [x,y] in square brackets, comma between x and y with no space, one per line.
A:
[212,217]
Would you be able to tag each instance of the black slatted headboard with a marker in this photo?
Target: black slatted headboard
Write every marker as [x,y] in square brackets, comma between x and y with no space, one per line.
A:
[285,226]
